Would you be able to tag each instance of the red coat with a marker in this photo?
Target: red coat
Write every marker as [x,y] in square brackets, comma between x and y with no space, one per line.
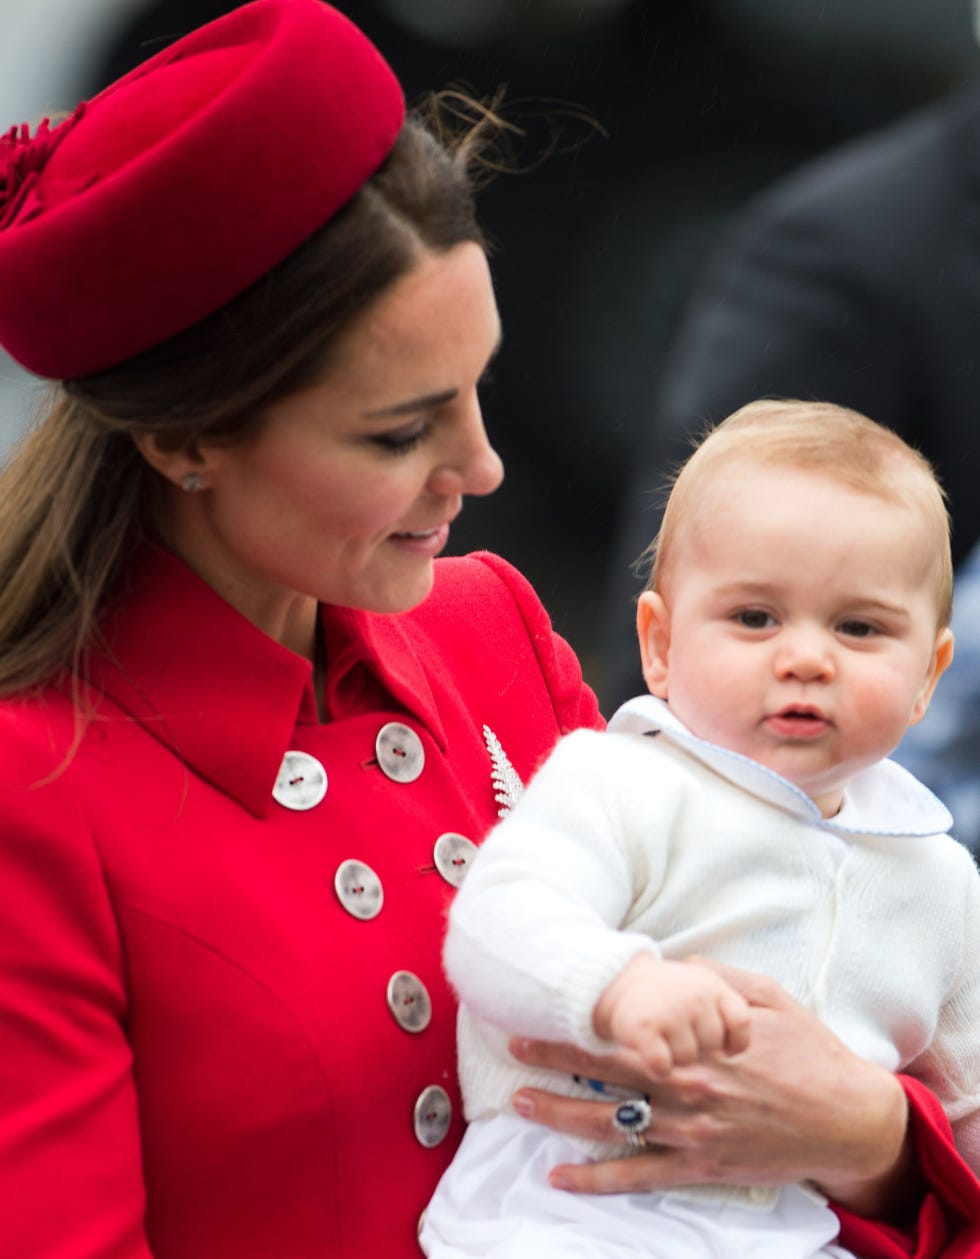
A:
[193,1028]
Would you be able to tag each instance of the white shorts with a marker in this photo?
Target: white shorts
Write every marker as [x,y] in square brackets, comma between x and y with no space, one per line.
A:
[495,1202]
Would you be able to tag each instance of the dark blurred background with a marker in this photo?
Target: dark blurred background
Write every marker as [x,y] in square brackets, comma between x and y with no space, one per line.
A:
[702,104]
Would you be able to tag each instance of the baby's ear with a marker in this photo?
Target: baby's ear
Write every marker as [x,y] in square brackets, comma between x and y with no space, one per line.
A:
[942,655]
[653,632]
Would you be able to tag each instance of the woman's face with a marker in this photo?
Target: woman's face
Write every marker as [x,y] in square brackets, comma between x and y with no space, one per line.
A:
[346,492]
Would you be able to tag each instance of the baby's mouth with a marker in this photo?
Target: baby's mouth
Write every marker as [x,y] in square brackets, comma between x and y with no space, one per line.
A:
[798,722]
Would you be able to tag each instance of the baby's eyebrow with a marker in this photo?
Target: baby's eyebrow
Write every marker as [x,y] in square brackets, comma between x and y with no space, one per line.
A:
[861,606]
[746,589]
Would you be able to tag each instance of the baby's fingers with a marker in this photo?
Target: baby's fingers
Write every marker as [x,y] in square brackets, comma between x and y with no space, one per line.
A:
[734,1011]
[709,1030]
[656,1052]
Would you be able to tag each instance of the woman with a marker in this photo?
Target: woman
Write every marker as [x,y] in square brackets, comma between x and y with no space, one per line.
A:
[251,728]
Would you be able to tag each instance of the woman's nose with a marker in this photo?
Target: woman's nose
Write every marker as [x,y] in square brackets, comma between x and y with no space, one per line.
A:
[485,470]
[471,465]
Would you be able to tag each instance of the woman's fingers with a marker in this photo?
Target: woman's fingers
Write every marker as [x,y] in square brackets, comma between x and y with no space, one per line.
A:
[649,1172]
[572,1115]
[662,1165]
[672,1127]
[620,1068]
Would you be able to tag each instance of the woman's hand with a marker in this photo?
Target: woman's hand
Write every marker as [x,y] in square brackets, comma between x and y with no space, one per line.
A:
[796,1105]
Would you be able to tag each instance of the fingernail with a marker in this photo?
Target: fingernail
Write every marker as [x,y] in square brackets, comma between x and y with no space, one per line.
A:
[519,1046]
[523,1105]
[558,1180]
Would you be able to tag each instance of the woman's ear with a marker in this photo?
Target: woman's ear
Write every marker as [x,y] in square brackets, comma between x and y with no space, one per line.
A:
[942,655]
[182,465]
[653,632]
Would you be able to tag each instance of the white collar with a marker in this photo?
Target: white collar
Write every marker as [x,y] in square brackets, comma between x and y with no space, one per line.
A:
[884,799]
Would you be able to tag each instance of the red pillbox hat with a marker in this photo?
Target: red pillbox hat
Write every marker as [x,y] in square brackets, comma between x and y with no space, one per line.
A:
[183,183]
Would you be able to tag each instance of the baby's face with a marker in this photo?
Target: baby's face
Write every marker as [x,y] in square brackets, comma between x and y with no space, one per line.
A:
[798,624]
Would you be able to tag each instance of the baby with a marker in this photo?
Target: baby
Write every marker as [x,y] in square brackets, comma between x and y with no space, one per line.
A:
[795,625]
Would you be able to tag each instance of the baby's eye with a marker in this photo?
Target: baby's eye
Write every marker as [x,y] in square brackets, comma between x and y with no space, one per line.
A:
[857,629]
[754,618]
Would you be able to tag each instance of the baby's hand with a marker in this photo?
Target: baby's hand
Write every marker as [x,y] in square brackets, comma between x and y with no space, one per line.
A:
[671,1013]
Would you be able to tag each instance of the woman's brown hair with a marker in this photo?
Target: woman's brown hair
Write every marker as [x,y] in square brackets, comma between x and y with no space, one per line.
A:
[76,496]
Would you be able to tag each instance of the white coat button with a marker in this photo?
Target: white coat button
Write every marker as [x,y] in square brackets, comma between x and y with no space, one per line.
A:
[358,889]
[408,1000]
[302,782]
[399,752]
[433,1112]
[452,854]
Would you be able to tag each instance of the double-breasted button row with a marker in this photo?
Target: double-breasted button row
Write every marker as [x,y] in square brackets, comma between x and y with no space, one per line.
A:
[302,784]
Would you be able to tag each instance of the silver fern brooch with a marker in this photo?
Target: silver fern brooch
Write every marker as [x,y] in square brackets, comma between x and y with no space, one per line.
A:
[507,784]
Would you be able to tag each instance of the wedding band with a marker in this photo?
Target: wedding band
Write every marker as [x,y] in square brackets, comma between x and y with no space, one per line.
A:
[633,1118]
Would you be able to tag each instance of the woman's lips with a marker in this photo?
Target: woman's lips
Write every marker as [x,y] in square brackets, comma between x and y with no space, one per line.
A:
[423,541]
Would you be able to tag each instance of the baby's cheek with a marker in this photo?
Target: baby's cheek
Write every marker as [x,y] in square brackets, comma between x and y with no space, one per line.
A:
[884,702]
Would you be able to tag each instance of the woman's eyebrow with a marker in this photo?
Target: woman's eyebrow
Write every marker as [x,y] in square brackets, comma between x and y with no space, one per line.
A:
[427,401]
[411,405]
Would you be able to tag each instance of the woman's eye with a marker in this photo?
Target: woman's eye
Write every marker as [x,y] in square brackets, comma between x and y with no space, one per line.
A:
[857,629]
[401,441]
[754,618]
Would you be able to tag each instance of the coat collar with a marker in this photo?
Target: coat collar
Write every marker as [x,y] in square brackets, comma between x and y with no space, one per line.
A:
[225,697]
[882,800]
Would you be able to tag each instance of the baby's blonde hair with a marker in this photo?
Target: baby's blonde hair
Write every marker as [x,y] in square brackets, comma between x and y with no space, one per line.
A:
[842,444]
